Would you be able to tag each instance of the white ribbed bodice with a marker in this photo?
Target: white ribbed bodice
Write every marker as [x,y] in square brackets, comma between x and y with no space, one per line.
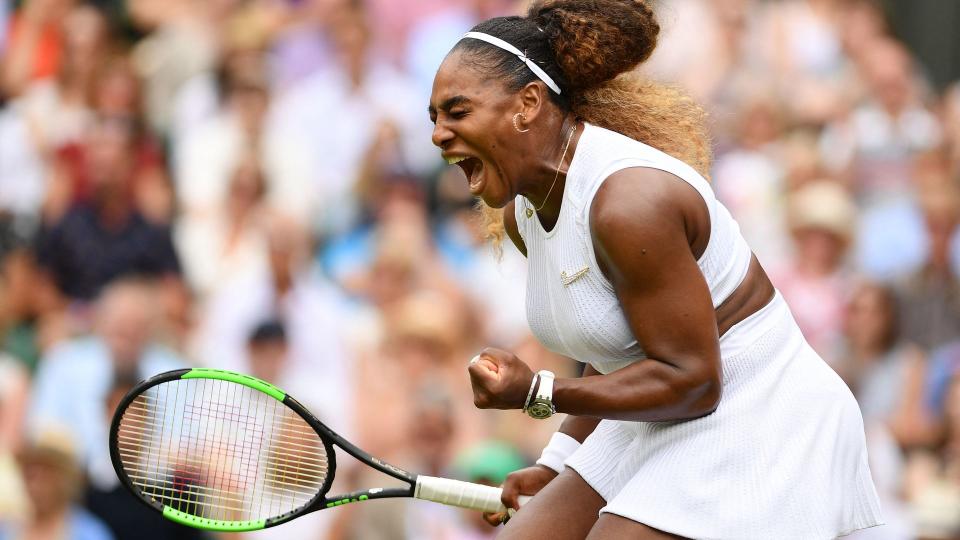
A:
[579,315]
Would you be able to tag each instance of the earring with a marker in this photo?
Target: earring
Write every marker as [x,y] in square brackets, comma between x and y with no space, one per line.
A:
[516,125]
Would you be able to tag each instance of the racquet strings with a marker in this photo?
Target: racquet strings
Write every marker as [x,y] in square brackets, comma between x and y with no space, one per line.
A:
[220,450]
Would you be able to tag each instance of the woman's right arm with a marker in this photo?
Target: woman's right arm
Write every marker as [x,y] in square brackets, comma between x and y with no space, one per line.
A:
[580,427]
[531,480]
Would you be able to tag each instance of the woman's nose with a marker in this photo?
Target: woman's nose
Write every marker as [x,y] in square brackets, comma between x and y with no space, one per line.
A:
[441,134]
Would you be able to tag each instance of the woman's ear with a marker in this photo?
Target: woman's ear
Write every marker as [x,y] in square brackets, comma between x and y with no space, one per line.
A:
[532,98]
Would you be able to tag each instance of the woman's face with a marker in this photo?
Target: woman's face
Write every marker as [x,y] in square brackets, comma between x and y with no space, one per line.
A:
[473,116]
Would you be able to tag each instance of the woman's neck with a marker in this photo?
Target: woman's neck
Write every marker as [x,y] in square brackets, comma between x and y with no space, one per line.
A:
[545,195]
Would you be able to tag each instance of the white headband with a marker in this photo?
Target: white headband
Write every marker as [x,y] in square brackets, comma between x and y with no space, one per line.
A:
[523,58]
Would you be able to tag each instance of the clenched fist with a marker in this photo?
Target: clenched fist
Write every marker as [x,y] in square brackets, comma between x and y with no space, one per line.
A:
[500,380]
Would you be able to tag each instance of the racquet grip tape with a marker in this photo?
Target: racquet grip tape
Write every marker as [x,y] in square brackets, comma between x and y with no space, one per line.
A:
[462,494]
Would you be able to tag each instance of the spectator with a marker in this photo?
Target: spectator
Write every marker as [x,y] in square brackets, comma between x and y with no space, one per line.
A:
[495,286]
[95,242]
[220,243]
[58,109]
[207,154]
[31,311]
[125,515]
[428,428]
[487,463]
[300,47]
[287,289]
[704,46]
[750,179]
[821,217]
[50,113]
[53,481]
[862,24]
[76,165]
[181,42]
[887,467]
[934,478]
[395,254]
[951,121]
[35,44]
[802,51]
[886,374]
[14,392]
[4,19]
[931,295]
[75,377]
[438,30]
[899,243]
[268,351]
[359,93]
[425,336]
[876,143]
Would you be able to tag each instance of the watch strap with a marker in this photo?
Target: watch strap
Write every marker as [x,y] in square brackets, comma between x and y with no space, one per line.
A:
[545,390]
[533,384]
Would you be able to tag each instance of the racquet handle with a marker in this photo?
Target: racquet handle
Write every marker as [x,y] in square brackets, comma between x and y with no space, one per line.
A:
[462,494]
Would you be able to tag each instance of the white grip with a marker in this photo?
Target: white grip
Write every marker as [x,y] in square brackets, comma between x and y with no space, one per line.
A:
[462,494]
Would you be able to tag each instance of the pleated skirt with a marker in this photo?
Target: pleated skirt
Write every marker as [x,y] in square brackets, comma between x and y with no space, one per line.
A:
[782,457]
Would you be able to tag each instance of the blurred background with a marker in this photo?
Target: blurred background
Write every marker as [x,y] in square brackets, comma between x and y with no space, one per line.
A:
[250,185]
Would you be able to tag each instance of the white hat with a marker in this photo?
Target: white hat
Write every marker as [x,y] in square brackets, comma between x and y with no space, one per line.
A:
[824,205]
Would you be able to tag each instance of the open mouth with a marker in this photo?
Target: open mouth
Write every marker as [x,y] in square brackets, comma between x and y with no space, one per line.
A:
[471,168]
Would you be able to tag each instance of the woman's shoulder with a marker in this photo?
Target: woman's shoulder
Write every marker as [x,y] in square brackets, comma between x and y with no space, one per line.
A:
[600,153]
[624,184]
[606,152]
[640,196]
[614,143]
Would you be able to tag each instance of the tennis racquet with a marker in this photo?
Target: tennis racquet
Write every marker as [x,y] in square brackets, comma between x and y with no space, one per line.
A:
[221,451]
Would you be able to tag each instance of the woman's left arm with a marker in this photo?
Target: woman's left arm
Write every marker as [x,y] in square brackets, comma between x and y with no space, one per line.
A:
[643,223]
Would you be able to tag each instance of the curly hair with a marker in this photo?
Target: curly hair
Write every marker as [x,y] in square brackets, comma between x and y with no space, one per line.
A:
[590,48]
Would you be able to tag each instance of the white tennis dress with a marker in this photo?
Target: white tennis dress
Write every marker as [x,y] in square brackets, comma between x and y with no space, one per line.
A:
[783,456]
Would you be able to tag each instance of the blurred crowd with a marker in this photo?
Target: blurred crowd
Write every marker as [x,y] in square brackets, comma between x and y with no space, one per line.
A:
[250,185]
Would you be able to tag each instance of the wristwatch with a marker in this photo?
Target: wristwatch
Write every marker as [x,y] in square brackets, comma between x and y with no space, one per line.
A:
[542,405]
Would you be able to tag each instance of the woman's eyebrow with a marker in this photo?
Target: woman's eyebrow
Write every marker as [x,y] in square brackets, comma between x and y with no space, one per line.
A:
[449,103]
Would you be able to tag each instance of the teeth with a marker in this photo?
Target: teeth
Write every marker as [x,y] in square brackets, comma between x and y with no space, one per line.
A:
[455,160]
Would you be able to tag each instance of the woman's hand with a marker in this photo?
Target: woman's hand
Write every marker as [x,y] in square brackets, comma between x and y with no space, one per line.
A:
[500,380]
[527,481]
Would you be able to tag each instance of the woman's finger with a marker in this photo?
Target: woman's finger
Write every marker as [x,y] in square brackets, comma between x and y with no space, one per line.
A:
[510,494]
[494,518]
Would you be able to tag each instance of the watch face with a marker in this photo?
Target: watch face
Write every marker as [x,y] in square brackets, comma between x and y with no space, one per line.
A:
[539,410]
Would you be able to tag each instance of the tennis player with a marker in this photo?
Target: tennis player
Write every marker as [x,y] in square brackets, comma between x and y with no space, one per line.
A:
[702,411]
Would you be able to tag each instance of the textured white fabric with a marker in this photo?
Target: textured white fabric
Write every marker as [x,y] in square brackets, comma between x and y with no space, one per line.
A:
[784,454]
[582,318]
[560,447]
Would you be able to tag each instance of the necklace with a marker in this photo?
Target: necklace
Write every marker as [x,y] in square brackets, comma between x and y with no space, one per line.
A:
[530,211]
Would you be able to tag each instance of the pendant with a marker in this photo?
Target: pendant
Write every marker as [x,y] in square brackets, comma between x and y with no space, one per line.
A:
[529,213]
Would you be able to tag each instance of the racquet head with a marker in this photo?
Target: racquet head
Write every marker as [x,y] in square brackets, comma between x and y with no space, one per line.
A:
[220,451]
